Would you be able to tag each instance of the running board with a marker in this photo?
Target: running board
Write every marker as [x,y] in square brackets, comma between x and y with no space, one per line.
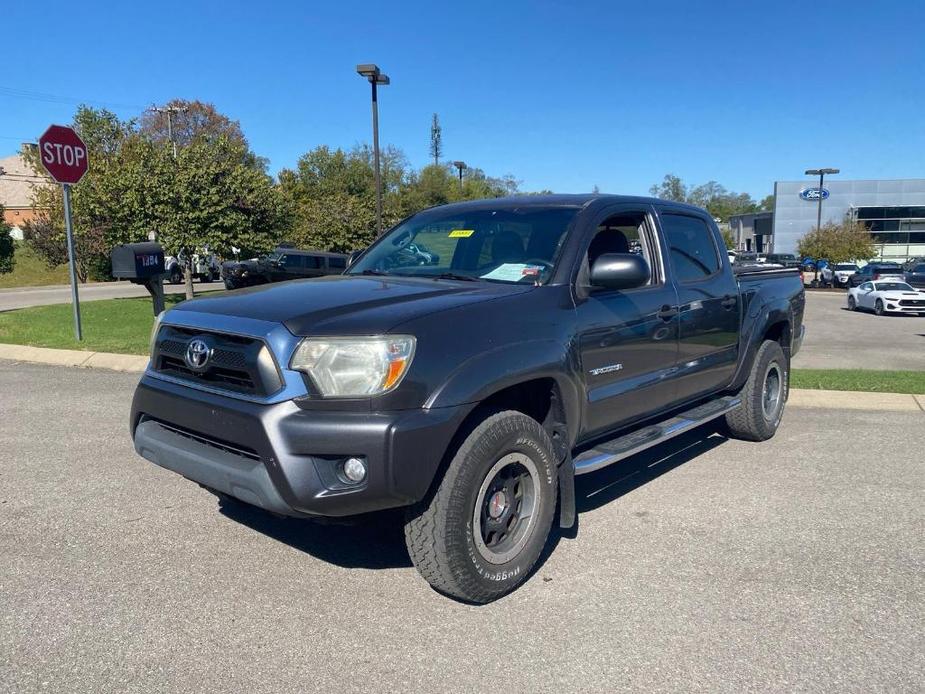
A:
[609,452]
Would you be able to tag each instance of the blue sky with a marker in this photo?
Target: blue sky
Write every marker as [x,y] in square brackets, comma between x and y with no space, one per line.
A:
[563,95]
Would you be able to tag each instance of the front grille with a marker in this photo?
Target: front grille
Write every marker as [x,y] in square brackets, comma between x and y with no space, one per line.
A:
[237,363]
[912,302]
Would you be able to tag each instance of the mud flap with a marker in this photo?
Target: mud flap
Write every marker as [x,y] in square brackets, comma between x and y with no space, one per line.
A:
[567,492]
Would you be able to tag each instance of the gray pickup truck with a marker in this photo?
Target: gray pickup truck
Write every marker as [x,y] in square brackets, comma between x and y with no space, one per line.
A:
[544,337]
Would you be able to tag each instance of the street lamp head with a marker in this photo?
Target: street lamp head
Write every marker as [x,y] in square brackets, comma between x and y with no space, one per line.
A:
[821,172]
[459,165]
[381,79]
[368,70]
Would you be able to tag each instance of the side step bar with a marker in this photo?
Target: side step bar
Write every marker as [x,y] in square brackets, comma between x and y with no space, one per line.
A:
[609,452]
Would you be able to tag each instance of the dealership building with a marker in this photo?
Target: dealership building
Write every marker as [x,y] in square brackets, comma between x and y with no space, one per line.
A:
[893,212]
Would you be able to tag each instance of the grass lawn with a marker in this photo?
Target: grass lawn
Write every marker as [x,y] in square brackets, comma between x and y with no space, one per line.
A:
[113,325]
[858,379]
[31,271]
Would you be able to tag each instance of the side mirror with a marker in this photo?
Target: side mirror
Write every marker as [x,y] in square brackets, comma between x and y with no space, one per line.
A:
[351,259]
[619,271]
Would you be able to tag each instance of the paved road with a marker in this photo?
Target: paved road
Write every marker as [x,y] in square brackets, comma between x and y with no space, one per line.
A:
[24,297]
[705,565]
[837,338]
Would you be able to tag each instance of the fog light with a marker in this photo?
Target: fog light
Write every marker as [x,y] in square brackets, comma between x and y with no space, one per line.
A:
[355,469]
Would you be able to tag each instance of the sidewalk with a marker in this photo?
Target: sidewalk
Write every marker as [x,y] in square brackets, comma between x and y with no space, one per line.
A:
[819,399]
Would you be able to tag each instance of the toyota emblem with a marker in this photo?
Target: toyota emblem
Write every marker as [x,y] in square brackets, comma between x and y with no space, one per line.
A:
[197,354]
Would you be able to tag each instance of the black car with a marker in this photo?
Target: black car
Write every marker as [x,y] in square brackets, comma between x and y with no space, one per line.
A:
[281,265]
[555,335]
[785,259]
[916,276]
[875,271]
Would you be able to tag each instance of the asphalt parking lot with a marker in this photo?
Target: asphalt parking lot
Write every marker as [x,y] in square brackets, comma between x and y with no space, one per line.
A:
[703,565]
[837,338]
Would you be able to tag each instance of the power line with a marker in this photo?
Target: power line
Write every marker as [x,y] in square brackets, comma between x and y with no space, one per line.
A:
[46,97]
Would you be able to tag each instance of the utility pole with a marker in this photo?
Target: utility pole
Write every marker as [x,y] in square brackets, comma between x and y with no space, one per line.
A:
[170,110]
[821,174]
[460,165]
[375,77]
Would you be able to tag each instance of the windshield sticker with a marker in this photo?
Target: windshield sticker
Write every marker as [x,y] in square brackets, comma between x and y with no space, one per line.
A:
[513,272]
[461,233]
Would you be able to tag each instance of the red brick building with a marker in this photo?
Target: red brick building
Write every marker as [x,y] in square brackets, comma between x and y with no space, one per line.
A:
[17,180]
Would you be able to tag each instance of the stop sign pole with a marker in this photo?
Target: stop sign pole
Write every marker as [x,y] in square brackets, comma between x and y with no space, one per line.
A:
[64,156]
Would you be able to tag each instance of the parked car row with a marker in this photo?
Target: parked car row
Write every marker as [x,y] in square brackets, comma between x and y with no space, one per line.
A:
[849,275]
[281,265]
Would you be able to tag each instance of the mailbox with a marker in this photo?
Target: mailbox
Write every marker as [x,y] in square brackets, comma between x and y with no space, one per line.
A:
[138,261]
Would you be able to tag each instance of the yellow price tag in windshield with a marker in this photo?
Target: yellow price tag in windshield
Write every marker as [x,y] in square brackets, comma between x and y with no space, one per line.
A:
[461,233]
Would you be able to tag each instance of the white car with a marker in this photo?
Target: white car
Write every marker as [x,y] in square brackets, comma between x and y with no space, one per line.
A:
[841,273]
[887,296]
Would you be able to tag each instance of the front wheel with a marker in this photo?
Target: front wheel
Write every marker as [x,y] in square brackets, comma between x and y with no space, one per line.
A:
[852,304]
[878,308]
[483,529]
[763,396]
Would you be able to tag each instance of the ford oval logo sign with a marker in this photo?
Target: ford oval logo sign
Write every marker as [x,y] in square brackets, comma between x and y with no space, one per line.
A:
[814,193]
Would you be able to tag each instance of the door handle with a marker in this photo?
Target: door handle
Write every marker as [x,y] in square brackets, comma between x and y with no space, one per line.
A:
[728,302]
[666,312]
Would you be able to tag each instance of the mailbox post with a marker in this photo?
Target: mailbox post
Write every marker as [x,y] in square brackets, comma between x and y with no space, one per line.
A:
[142,263]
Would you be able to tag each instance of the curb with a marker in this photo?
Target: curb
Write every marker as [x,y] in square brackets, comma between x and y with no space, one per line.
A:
[800,398]
[74,357]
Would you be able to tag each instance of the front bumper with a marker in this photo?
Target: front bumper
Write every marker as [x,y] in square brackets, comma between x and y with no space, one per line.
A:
[283,458]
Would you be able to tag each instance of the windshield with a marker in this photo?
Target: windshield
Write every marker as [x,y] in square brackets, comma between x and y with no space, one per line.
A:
[506,244]
[846,266]
[273,257]
[893,287]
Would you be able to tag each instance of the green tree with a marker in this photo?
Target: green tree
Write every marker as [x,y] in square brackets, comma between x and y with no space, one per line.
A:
[728,238]
[838,243]
[7,247]
[671,188]
[210,195]
[436,139]
[766,204]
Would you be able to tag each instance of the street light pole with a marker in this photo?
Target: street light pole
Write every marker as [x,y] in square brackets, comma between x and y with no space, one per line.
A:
[170,110]
[372,73]
[460,165]
[821,174]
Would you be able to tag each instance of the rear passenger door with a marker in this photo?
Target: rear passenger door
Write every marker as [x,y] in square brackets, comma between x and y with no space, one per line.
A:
[708,301]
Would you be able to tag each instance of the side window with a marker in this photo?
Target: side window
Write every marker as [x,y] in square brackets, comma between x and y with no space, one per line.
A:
[337,263]
[867,286]
[622,233]
[290,262]
[312,262]
[693,252]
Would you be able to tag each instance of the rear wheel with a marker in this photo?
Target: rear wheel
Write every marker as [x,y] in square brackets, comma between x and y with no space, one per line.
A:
[176,275]
[763,396]
[483,529]
[878,308]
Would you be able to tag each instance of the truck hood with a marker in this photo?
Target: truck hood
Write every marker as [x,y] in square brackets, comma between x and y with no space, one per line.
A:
[349,305]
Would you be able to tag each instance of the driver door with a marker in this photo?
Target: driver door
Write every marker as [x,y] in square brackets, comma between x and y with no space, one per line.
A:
[866,295]
[628,339]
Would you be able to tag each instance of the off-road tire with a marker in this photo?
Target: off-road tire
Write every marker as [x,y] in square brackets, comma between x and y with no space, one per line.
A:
[752,421]
[440,531]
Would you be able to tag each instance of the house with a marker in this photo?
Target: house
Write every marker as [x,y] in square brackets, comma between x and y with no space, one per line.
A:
[17,180]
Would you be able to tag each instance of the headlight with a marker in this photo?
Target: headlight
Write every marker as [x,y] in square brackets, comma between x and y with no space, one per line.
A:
[351,367]
[154,329]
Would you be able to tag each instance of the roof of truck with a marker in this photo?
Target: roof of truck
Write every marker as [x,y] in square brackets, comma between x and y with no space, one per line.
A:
[564,200]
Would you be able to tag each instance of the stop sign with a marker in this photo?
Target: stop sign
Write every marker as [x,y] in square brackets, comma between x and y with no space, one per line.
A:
[63,154]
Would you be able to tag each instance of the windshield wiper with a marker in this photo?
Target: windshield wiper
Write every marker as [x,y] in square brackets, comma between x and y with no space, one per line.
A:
[454,276]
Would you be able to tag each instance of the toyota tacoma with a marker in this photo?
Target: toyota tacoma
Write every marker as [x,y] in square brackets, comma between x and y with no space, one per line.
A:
[543,337]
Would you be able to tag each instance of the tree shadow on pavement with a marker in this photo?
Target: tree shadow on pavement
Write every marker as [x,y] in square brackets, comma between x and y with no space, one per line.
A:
[376,540]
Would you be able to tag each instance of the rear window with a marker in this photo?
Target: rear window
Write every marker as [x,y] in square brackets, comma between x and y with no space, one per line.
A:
[918,268]
[337,263]
[693,253]
[846,266]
